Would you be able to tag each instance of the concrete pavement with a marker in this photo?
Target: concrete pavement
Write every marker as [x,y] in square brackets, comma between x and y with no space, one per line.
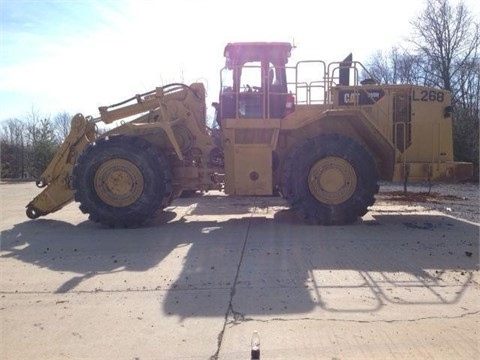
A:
[195,283]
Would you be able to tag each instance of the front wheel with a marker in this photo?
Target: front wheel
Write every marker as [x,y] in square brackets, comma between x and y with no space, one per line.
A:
[121,181]
[329,180]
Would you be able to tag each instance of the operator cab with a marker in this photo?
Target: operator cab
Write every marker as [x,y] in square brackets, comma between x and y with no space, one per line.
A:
[253,81]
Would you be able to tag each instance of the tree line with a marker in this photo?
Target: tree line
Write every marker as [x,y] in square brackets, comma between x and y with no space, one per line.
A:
[441,51]
[28,144]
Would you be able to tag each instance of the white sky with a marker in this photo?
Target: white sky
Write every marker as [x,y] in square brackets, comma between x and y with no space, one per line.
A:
[76,55]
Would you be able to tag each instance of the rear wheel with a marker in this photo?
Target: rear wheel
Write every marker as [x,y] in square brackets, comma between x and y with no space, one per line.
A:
[329,180]
[121,181]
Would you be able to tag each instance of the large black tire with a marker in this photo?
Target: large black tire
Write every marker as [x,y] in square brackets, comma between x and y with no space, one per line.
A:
[329,180]
[121,181]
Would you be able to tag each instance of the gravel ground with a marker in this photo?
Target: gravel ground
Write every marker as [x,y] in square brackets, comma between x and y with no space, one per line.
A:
[458,200]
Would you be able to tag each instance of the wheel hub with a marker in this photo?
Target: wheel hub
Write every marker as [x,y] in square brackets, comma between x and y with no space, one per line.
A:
[332,180]
[118,182]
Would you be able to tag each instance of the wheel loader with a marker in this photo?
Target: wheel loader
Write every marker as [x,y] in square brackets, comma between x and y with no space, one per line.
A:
[321,135]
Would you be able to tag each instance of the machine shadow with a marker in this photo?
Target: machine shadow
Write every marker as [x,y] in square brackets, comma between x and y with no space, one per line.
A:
[257,264]
[280,266]
[87,249]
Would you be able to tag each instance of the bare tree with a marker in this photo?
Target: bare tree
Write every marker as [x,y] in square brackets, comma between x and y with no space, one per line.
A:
[12,153]
[44,148]
[397,67]
[61,125]
[380,66]
[447,38]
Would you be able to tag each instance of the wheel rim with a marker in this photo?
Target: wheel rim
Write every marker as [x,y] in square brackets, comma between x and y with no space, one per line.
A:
[332,180]
[118,182]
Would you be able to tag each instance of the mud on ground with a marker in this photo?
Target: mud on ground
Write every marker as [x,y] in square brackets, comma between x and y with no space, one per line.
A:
[458,200]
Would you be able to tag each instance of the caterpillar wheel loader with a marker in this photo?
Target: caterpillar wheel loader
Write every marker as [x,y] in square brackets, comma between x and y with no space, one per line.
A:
[319,134]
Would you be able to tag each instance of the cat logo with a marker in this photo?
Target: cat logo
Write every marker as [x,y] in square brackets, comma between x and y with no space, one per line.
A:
[360,96]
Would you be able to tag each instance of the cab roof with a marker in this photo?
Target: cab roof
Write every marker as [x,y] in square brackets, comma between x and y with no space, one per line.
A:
[238,53]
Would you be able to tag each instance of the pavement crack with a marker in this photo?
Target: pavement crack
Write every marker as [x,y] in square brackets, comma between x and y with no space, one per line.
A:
[238,317]
[392,321]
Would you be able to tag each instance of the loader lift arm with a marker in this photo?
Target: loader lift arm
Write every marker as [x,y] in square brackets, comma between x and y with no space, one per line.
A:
[57,177]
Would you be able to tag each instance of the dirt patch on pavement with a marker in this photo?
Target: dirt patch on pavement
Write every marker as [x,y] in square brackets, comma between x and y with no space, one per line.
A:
[433,197]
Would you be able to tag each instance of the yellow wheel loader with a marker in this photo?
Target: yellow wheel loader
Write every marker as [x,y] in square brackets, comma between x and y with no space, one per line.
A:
[322,135]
